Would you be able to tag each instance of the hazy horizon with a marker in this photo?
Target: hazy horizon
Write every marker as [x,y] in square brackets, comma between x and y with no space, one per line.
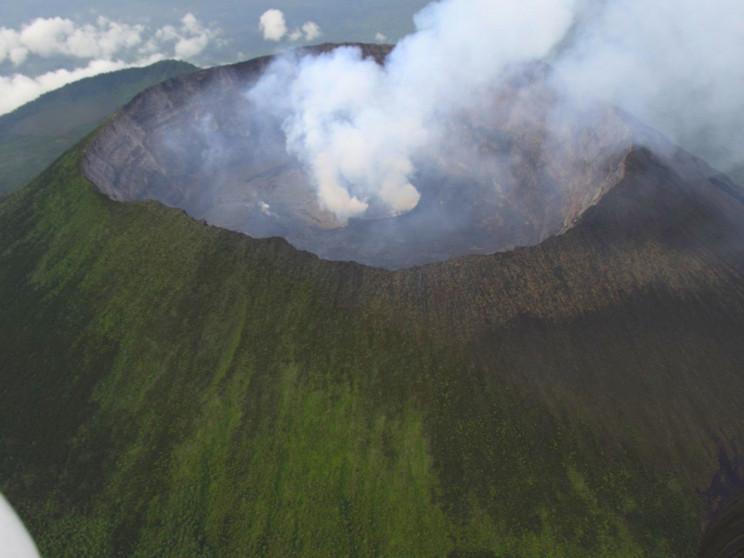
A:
[45,45]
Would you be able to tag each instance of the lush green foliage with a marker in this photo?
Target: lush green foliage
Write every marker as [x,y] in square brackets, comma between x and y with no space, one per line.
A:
[171,388]
[34,135]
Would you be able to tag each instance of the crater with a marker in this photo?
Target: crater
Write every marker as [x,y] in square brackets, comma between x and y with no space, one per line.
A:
[518,166]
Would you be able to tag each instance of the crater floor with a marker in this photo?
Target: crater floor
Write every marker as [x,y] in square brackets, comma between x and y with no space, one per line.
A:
[520,167]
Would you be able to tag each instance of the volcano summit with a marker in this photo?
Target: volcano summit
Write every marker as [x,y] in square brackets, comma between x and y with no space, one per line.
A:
[518,165]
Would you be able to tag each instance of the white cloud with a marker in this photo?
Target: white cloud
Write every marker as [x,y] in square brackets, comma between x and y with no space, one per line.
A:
[107,45]
[192,38]
[46,37]
[62,37]
[103,39]
[11,46]
[273,25]
[191,46]
[311,31]
[380,38]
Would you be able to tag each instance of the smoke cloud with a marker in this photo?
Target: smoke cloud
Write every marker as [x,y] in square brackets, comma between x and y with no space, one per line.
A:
[107,45]
[358,128]
[676,65]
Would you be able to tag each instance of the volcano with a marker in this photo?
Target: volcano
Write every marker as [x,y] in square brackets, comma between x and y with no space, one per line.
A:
[511,173]
[522,167]
[171,387]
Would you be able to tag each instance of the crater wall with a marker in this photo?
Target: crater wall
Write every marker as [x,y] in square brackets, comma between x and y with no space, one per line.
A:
[521,166]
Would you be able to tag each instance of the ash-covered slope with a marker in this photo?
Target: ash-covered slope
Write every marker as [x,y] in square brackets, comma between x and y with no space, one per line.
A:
[519,167]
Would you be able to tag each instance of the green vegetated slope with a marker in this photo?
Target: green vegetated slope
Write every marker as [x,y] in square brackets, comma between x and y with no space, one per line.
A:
[32,136]
[170,388]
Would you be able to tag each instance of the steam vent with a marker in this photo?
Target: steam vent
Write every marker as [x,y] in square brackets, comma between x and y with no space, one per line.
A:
[500,177]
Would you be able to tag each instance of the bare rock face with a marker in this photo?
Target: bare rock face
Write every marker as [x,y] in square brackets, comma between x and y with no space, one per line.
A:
[522,167]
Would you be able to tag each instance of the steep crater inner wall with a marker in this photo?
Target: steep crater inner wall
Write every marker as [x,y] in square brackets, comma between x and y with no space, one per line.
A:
[521,166]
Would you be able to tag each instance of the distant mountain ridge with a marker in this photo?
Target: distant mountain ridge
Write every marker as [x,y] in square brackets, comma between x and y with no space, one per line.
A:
[33,135]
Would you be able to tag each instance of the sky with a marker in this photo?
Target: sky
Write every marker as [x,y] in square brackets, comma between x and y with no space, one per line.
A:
[674,64]
[44,45]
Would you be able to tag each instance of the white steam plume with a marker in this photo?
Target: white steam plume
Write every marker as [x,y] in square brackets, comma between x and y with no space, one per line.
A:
[358,126]
[676,64]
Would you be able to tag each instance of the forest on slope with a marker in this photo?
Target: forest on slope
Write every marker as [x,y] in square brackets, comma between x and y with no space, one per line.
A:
[171,387]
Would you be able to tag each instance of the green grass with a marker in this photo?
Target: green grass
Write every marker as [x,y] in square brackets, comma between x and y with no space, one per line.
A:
[171,388]
[215,437]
